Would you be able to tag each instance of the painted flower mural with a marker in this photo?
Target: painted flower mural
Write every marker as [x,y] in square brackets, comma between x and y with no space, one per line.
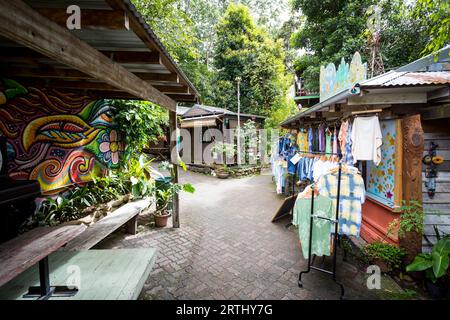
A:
[58,138]
[381,182]
[111,147]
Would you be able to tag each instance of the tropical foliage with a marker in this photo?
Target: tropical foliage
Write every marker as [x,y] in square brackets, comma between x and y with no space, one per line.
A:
[336,29]
[140,123]
[434,264]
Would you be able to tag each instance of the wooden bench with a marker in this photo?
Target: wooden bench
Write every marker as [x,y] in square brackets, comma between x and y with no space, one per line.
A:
[21,253]
[125,215]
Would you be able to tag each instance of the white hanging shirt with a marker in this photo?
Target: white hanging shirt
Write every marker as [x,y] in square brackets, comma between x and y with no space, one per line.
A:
[367,139]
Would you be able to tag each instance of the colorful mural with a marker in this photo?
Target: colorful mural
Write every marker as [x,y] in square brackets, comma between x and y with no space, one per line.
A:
[346,76]
[381,181]
[59,139]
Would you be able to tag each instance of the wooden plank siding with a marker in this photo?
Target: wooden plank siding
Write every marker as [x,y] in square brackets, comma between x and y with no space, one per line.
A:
[437,209]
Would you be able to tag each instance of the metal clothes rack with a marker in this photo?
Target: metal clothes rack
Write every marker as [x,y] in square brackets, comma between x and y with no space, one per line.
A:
[335,236]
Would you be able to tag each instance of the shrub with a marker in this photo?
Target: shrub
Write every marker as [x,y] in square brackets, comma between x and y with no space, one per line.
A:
[386,252]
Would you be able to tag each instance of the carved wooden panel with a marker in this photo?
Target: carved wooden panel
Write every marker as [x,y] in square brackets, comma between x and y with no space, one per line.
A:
[413,146]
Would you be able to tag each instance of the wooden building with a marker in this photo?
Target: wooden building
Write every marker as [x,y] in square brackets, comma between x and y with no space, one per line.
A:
[198,119]
[412,103]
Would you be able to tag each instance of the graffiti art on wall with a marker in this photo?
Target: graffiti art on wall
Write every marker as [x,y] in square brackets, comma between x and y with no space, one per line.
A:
[381,182]
[59,139]
[346,76]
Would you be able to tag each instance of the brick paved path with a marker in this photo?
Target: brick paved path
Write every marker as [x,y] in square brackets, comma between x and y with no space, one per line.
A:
[227,248]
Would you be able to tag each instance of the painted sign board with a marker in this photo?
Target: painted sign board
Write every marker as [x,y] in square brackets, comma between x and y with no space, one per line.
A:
[334,81]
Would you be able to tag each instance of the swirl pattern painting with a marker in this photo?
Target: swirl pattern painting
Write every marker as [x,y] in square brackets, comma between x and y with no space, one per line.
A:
[60,139]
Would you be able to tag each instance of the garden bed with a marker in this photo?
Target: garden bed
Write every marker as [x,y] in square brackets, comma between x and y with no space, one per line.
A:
[234,170]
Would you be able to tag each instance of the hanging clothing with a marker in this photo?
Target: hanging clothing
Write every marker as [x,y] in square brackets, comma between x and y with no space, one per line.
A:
[351,198]
[291,167]
[348,155]
[328,143]
[320,242]
[367,139]
[302,141]
[335,142]
[310,139]
[321,136]
[279,176]
[322,167]
[316,140]
[342,137]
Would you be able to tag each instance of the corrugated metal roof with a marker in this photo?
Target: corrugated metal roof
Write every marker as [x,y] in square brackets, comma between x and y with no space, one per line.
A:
[201,110]
[182,110]
[395,78]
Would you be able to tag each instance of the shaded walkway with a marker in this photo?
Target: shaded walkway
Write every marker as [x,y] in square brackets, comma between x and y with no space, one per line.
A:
[227,248]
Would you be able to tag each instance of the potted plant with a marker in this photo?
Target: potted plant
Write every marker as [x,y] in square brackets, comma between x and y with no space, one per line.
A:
[387,256]
[164,195]
[162,212]
[435,265]
[221,170]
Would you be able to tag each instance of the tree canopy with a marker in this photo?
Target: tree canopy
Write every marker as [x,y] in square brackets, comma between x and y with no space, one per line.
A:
[336,29]
[264,42]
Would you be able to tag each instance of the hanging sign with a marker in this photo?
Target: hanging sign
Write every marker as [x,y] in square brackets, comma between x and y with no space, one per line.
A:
[333,82]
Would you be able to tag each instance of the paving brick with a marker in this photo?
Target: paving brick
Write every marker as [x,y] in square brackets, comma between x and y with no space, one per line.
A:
[227,248]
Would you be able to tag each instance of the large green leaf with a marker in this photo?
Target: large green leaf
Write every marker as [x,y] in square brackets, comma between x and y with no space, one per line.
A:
[440,264]
[442,247]
[421,262]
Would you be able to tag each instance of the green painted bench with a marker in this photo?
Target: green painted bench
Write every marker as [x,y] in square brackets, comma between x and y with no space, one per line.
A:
[117,274]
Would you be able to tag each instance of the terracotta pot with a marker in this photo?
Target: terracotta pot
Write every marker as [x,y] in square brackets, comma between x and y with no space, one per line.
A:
[161,220]
[222,175]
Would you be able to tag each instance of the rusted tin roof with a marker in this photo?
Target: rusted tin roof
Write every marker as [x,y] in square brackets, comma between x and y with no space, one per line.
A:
[396,78]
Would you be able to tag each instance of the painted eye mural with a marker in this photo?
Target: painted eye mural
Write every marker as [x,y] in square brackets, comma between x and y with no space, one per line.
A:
[60,139]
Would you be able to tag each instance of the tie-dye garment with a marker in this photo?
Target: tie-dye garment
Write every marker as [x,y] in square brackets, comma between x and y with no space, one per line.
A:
[351,198]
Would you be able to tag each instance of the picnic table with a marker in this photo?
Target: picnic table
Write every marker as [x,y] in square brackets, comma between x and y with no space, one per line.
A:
[19,254]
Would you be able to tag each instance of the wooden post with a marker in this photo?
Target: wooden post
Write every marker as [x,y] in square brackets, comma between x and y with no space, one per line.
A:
[174,160]
[413,146]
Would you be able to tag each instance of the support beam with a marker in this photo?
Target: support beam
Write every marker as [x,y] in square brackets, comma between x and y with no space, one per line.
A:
[98,19]
[172,89]
[134,57]
[437,112]
[439,94]
[170,77]
[43,72]
[174,160]
[69,85]
[388,98]
[23,25]
[183,97]
[25,55]
[47,71]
